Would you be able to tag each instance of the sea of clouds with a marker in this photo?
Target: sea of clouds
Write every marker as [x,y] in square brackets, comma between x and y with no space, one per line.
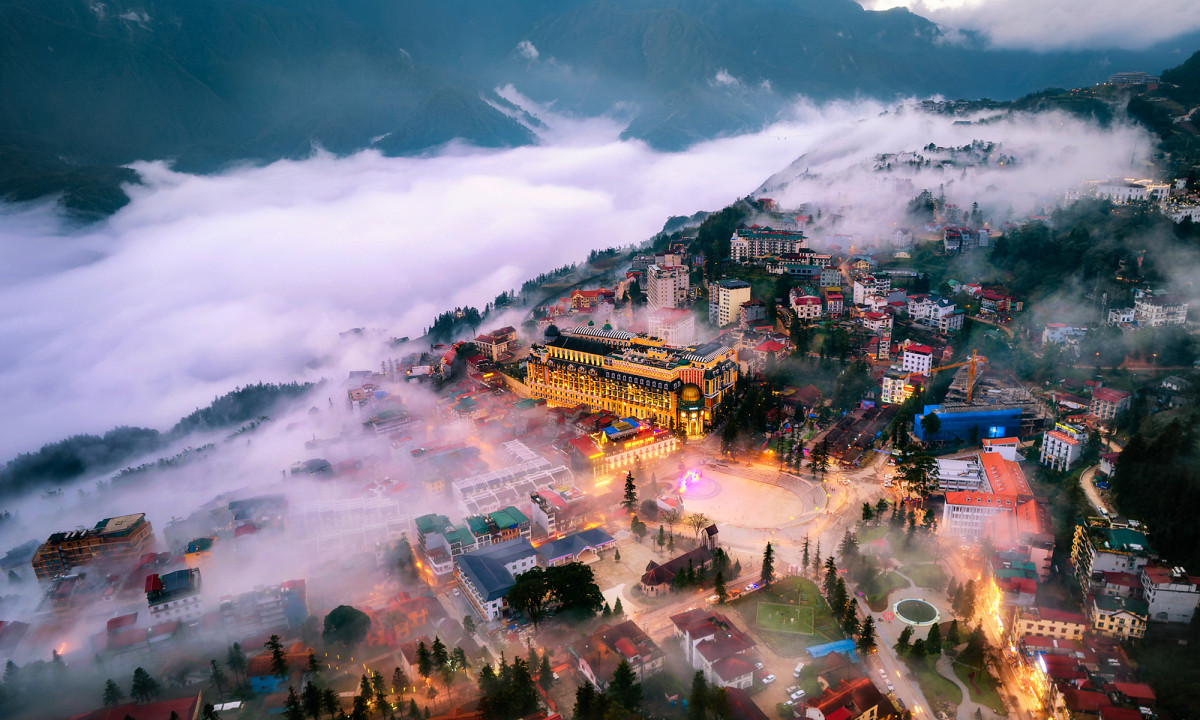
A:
[204,283]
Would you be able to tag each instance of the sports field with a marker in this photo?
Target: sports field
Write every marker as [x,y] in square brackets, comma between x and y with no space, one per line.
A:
[785,618]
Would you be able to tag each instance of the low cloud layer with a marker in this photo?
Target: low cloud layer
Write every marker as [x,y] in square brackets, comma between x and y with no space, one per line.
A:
[1062,24]
[204,283]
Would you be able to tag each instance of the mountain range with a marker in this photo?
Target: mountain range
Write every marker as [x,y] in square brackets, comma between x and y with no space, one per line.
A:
[88,86]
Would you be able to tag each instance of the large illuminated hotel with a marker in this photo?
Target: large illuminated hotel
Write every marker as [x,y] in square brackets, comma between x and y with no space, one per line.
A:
[634,376]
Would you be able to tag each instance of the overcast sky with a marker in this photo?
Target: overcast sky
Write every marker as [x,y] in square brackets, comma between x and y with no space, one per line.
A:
[1060,24]
[202,284]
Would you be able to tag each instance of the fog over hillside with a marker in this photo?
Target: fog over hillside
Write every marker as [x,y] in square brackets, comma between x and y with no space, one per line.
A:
[203,283]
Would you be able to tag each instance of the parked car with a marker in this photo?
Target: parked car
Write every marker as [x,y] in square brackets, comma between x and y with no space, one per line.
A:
[799,668]
[751,587]
[797,695]
[791,689]
[883,673]
[768,679]
[758,666]
[890,687]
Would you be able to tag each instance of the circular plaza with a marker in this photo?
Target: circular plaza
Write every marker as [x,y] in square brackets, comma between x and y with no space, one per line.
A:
[915,612]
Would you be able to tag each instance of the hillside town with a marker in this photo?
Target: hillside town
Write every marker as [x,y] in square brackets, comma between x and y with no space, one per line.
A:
[764,469]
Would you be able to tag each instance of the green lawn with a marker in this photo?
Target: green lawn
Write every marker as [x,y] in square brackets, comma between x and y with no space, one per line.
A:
[926,575]
[881,587]
[988,694]
[785,618]
[868,535]
[791,595]
[936,688]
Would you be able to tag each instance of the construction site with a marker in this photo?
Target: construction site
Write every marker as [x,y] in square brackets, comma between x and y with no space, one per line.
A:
[981,404]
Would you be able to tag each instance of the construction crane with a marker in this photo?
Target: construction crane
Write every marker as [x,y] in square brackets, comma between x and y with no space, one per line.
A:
[972,364]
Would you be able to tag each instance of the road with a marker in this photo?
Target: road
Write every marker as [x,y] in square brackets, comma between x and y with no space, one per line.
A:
[1087,481]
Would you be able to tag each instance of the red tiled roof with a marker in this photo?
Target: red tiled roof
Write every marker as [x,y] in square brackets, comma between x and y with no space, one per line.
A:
[1107,394]
[187,707]
[1134,691]
[919,349]
[1085,701]
[1005,476]
[732,667]
[770,346]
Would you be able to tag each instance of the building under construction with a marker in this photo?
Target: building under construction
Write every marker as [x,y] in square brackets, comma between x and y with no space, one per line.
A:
[998,407]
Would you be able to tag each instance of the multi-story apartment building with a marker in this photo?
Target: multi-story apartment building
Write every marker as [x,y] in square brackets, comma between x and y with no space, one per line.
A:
[831,277]
[725,300]
[631,376]
[1118,617]
[1060,624]
[667,286]
[935,311]
[496,343]
[805,306]
[557,511]
[754,243]
[898,386]
[866,286]
[1171,594]
[1062,446]
[1156,311]
[1107,546]
[1107,403]
[917,359]
[118,539]
[174,596]
[676,327]
[716,647]
[833,301]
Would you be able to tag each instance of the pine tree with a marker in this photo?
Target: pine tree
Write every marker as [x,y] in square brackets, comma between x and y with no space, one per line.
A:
[624,687]
[629,499]
[143,688]
[414,712]
[816,561]
[310,698]
[901,646]
[438,653]
[279,663]
[364,687]
[399,681]
[112,694]
[840,599]
[606,611]
[617,609]
[468,624]
[933,641]
[217,676]
[293,709]
[867,513]
[424,660]
[333,706]
[719,588]
[662,537]
[545,674]
[698,698]
[952,639]
[804,560]
[671,542]
[381,703]
[236,660]
[866,635]
[831,578]
[768,567]
[617,555]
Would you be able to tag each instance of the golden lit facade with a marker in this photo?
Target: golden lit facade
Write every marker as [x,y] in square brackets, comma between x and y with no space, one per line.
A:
[632,376]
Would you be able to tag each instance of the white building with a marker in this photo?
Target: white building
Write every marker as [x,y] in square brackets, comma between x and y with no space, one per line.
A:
[753,243]
[935,311]
[866,286]
[725,300]
[676,327]
[961,475]
[1062,446]
[1062,333]
[1156,311]
[806,307]
[486,575]
[831,277]
[917,359]
[902,238]
[1171,594]
[667,286]
[1133,190]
